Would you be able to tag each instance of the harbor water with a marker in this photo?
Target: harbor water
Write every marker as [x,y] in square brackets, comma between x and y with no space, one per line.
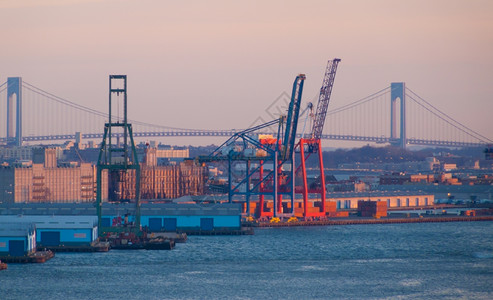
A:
[387,261]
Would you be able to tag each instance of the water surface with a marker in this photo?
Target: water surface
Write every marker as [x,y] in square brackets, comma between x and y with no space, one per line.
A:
[384,261]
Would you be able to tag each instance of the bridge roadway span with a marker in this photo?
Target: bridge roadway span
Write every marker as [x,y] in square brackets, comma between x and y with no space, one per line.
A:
[228,133]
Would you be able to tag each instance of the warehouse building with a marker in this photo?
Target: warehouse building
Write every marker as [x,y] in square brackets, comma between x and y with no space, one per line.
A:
[17,239]
[394,199]
[59,231]
[181,217]
[77,222]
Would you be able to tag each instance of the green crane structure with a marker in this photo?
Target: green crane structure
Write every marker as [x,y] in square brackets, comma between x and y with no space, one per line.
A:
[118,159]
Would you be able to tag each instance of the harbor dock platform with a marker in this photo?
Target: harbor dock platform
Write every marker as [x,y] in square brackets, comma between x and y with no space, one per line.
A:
[246,230]
[387,220]
[96,246]
[36,257]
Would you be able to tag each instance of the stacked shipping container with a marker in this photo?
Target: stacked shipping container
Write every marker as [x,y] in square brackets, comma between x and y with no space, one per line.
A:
[376,209]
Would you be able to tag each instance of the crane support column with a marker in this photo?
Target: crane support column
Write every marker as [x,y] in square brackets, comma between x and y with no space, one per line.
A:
[305,183]
[322,177]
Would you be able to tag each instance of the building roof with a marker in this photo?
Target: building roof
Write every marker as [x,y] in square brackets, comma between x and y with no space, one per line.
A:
[89,209]
[17,229]
[53,222]
[376,193]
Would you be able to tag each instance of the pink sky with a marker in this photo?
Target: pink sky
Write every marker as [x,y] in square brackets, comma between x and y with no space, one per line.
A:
[219,64]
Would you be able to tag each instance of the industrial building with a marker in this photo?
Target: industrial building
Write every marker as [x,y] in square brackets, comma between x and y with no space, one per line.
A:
[394,199]
[17,239]
[16,153]
[181,217]
[44,180]
[59,231]
[173,181]
[335,202]
[73,220]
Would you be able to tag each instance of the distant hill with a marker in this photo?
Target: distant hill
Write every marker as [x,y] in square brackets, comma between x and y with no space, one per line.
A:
[389,154]
[367,154]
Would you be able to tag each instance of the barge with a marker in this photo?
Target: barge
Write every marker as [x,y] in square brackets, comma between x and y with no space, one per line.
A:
[141,240]
[96,246]
[3,266]
[36,257]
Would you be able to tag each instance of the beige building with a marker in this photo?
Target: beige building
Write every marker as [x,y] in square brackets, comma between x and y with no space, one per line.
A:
[393,199]
[172,153]
[44,181]
[168,182]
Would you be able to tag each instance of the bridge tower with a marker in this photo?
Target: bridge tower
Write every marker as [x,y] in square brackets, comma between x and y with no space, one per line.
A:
[398,93]
[14,93]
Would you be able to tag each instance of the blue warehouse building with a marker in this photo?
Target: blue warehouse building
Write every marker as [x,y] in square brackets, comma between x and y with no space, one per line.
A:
[56,231]
[181,217]
[67,232]
[17,239]
[76,223]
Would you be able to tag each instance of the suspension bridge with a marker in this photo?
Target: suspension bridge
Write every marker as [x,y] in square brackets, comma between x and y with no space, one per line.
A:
[394,115]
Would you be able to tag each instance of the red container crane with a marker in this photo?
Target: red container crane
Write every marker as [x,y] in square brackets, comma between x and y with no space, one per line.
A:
[311,143]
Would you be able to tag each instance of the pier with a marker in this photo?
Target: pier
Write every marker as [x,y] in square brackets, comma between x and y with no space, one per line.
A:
[36,257]
[361,221]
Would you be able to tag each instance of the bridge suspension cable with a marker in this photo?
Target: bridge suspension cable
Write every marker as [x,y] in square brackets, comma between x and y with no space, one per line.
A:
[445,118]
[358,102]
[362,120]
[50,117]
[71,104]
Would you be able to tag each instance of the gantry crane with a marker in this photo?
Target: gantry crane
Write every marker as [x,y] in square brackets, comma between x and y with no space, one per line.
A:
[118,160]
[255,153]
[311,143]
[292,118]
